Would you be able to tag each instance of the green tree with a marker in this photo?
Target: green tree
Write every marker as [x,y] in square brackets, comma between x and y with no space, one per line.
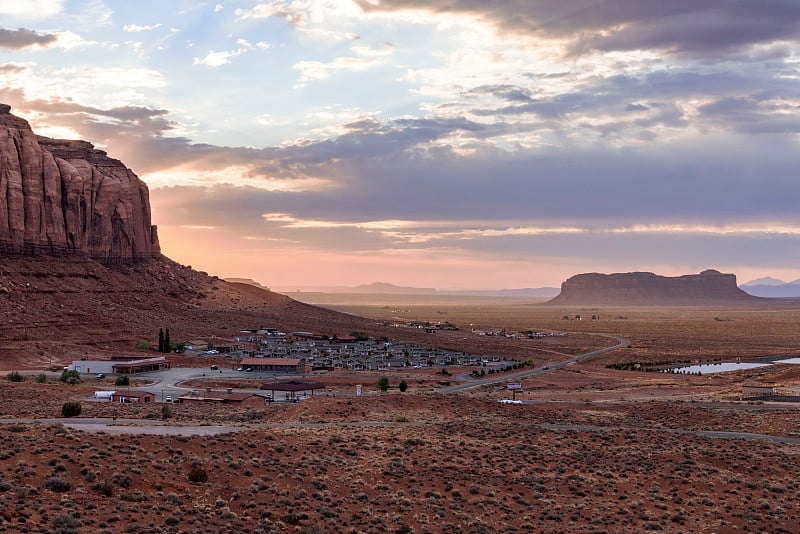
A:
[167,342]
[160,340]
[122,380]
[402,386]
[179,346]
[383,384]
[70,377]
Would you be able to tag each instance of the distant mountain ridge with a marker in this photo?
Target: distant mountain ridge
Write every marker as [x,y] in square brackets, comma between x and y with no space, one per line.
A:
[772,288]
[383,288]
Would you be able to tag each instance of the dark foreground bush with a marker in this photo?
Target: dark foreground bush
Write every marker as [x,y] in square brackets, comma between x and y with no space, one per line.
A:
[71,409]
[197,475]
[56,484]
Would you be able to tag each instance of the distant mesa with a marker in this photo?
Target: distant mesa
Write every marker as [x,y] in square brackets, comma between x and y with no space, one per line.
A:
[648,289]
[61,197]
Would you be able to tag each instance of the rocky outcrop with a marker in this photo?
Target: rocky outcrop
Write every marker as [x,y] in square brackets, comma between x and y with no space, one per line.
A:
[66,197]
[648,289]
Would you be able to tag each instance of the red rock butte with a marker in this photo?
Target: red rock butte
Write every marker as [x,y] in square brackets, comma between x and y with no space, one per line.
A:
[648,289]
[61,197]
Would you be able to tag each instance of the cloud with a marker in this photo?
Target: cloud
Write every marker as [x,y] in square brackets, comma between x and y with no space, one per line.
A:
[366,57]
[293,14]
[132,28]
[22,38]
[217,59]
[701,27]
[32,9]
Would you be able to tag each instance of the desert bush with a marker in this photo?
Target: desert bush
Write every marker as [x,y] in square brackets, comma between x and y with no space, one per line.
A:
[15,376]
[65,524]
[402,386]
[71,409]
[198,475]
[41,378]
[56,484]
[122,380]
[105,487]
[166,411]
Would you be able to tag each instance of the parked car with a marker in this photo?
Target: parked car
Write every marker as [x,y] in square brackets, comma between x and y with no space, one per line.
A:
[101,375]
[168,398]
[240,368]
[249,369]
[214,367]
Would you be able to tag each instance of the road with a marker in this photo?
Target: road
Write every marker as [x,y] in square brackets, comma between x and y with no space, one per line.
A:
[511,377]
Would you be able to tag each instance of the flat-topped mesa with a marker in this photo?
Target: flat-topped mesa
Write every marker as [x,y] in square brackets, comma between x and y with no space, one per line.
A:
[66,197]
[647,289]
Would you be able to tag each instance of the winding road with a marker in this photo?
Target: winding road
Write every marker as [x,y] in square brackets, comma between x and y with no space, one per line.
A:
[510,377]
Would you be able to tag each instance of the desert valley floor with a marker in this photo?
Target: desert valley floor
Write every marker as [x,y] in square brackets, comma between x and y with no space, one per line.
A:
[590,449]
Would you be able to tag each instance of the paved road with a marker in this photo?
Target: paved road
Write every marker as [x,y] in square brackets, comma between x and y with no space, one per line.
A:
[511,377]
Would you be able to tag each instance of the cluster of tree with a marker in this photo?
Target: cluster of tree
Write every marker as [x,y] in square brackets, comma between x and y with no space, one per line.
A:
[383,385]
[164,343]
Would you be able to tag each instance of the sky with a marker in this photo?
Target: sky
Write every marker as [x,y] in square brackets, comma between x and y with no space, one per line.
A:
[437,143]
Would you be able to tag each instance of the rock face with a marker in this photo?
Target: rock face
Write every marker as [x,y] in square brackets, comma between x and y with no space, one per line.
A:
[65,197]
[648,289]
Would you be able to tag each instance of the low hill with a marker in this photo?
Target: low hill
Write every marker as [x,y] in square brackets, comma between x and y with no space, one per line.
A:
[710,287]
[54,310]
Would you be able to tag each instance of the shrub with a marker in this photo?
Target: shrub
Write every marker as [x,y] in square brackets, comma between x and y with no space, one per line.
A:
[166,411]
[71,409]
[105,487]
[198,475]
[122,380]
[56,484]
[41,378]
[402,386]
[70,377]
[15,376]
[383,384]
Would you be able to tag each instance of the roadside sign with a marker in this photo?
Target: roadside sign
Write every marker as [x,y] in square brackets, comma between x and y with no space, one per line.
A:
[515,385]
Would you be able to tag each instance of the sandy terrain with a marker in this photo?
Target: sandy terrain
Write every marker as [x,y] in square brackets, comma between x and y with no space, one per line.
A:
[591,449]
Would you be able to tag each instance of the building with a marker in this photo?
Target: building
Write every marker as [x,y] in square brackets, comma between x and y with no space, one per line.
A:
[275,365]
[132,395]
[141,366]
[238,399]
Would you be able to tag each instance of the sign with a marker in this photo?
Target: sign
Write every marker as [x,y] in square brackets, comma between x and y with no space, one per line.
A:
[515,385]
[358,390]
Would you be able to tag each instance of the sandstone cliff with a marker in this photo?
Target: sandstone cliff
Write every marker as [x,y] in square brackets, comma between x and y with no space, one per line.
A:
[646,289]
[65,197]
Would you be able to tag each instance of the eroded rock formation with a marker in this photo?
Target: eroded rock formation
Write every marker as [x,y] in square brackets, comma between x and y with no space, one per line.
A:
[708,287]
[66,197]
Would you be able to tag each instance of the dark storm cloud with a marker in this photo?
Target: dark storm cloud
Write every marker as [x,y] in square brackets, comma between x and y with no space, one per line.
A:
[21,38]
[695,27]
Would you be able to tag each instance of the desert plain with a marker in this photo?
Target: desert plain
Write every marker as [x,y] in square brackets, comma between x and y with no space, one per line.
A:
[592,448]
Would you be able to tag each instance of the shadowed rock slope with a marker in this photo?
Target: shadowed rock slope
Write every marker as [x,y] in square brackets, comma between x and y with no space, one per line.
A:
[710,287]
